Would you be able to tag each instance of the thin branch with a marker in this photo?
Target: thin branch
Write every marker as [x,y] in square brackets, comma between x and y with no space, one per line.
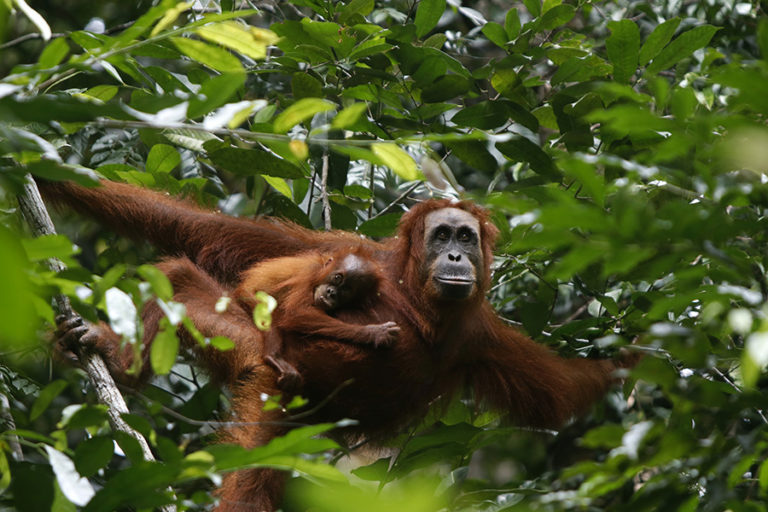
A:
[288,421]
[36,215]
[25,38]
[399,199]
[324,192]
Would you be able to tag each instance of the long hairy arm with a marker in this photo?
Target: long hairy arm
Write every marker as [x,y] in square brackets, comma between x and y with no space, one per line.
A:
[532,383]
[219,244]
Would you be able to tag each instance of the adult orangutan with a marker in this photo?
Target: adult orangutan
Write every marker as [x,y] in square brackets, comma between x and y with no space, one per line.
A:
[435,273]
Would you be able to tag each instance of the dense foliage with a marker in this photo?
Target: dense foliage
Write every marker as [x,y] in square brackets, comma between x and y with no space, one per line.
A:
[621,147]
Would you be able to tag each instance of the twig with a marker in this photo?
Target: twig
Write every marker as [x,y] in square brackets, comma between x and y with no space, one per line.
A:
[398,200]
[324,192]
[36,215]
[25,38]
[288,421]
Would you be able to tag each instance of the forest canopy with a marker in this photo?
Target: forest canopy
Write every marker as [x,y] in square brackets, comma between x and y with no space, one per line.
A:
[620,148]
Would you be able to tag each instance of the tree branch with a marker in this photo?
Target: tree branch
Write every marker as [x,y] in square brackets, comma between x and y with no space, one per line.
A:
[36,215]
[324,193]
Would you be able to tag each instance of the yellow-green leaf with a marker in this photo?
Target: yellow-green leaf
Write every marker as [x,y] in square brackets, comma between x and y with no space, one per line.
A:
[280,185]
[169,17]
[348,116]
[211,56]
[397,159]
[236,37]
[300,111]
[262,313]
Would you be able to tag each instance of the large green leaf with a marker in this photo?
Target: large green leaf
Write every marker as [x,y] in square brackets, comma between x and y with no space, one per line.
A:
[623,46]
[682,47]
[301,111]
[657,40]
[250,162]
[208,55]
[521,149]
[397,159]
[428,13]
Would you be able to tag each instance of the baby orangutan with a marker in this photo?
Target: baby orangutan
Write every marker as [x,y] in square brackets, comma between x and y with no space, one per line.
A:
[310,289]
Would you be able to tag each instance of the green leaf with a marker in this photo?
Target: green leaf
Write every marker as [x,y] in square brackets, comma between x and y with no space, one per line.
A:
[622,47]
[300,111]
[234,36]
[93,454]
[54,53]
[164,350]
[683,46]
[657,40]
[161,286]
[145,21]
[102,92]
[59,107]
[349,116]
[361,7]
[162,159]
[16,309]
[85,416]
[496,34]
[215,92]
[428,13]
[381,226]
[46,396]
[521,149]
[280,185]
[557,16]
[222,343]
[533,6]
[512,24]
[211,56]
[305,85]
[250,162]
[48,246]
[142,486]
[484,115]
[397,159]
[77,489]
[762,42]
[169,17]
[475,154]
[445,88]
[262,312]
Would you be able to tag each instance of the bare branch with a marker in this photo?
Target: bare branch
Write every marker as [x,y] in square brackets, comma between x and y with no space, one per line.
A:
[36,215]
[324,193]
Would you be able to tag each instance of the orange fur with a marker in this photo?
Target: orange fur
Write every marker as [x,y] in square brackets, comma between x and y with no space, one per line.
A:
[443,345]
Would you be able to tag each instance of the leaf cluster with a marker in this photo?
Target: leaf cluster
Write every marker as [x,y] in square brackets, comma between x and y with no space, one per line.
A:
[620,147]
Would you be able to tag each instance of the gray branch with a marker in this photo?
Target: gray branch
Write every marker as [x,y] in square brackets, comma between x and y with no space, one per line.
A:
[36,215]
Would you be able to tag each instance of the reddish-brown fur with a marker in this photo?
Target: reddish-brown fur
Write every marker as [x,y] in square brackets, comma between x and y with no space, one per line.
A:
[292,281]
[443,345]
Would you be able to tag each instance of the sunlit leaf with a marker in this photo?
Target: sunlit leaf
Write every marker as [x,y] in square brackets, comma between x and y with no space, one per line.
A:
[236,37]
[77,489]
[54,53]
[169,17]
[162,158]
[163,352]
[208,55]
[301,111]
[397,159]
